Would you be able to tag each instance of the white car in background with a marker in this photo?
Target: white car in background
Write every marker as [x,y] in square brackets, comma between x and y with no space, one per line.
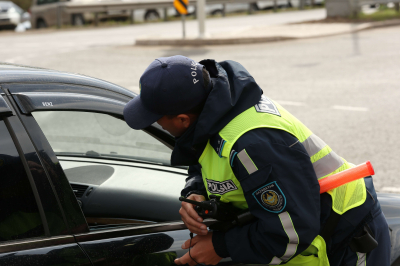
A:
[12,15]
[296,3]
[217,9]
[270,4]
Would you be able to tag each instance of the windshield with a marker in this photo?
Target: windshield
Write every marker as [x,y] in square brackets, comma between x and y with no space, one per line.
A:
[4,6]
[99,135]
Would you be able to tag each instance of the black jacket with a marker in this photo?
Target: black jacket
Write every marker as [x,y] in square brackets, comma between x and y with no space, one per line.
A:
[279,158]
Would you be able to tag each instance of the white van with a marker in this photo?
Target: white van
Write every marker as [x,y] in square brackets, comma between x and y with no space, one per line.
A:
[44,14]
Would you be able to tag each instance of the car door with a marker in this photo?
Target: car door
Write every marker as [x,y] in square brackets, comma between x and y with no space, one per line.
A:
[111,240]
[33,228]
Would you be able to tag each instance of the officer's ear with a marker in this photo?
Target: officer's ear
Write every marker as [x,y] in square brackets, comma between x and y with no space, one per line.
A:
[185,120]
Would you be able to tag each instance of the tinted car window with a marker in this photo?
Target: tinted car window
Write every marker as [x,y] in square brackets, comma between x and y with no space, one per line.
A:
[19,215]
[99,135]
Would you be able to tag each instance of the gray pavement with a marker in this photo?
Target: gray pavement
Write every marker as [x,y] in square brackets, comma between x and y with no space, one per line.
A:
[18,47]
[344,88]
[263,33]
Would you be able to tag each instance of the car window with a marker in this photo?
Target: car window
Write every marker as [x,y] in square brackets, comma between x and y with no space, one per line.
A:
[4,6]
[19,215]
[99,135]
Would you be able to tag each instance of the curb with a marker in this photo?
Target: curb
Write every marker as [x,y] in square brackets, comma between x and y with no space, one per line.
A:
[251,40]
[387,23]
[211,41]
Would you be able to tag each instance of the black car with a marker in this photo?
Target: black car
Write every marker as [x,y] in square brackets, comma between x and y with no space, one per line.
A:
[79,187]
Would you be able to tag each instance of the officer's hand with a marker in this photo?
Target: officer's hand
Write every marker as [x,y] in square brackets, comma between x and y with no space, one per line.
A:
[190,217]
[202,251]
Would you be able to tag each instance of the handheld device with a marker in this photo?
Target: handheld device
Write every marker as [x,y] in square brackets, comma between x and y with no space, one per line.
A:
[213,208]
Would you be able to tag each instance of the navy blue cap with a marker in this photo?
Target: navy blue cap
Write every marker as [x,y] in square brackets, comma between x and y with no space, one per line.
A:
[169,86]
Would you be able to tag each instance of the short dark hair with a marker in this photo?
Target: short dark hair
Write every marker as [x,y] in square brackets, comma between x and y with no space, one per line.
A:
[206,77]
[198,108]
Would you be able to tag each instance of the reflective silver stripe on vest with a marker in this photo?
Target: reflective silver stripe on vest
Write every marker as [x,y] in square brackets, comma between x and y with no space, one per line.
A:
[313,144]
[327,164]
[247,162]
[361,259]
[291,249]
[275,261]
[291,233]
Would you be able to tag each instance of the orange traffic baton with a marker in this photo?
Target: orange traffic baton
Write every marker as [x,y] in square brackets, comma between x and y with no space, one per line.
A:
[346,176]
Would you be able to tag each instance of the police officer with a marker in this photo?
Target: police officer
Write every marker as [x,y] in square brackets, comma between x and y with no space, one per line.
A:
[241,145]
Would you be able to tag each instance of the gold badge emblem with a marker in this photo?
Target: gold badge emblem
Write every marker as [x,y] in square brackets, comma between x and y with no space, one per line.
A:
[270,198]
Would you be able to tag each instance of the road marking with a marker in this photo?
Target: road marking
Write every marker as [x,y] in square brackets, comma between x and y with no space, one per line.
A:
[350,108]
[390,189]
[290,103]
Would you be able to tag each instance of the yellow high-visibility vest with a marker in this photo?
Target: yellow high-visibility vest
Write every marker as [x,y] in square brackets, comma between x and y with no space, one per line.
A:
[269,114]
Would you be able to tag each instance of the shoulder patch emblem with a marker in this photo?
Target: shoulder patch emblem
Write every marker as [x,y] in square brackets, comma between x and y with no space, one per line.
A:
[216,187]
[270,197]
[265,105]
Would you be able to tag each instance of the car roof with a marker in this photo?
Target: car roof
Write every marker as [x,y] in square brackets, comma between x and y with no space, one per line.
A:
[12,73]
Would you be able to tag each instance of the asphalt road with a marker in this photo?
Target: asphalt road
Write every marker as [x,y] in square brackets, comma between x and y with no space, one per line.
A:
[40,46]
[345,88]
